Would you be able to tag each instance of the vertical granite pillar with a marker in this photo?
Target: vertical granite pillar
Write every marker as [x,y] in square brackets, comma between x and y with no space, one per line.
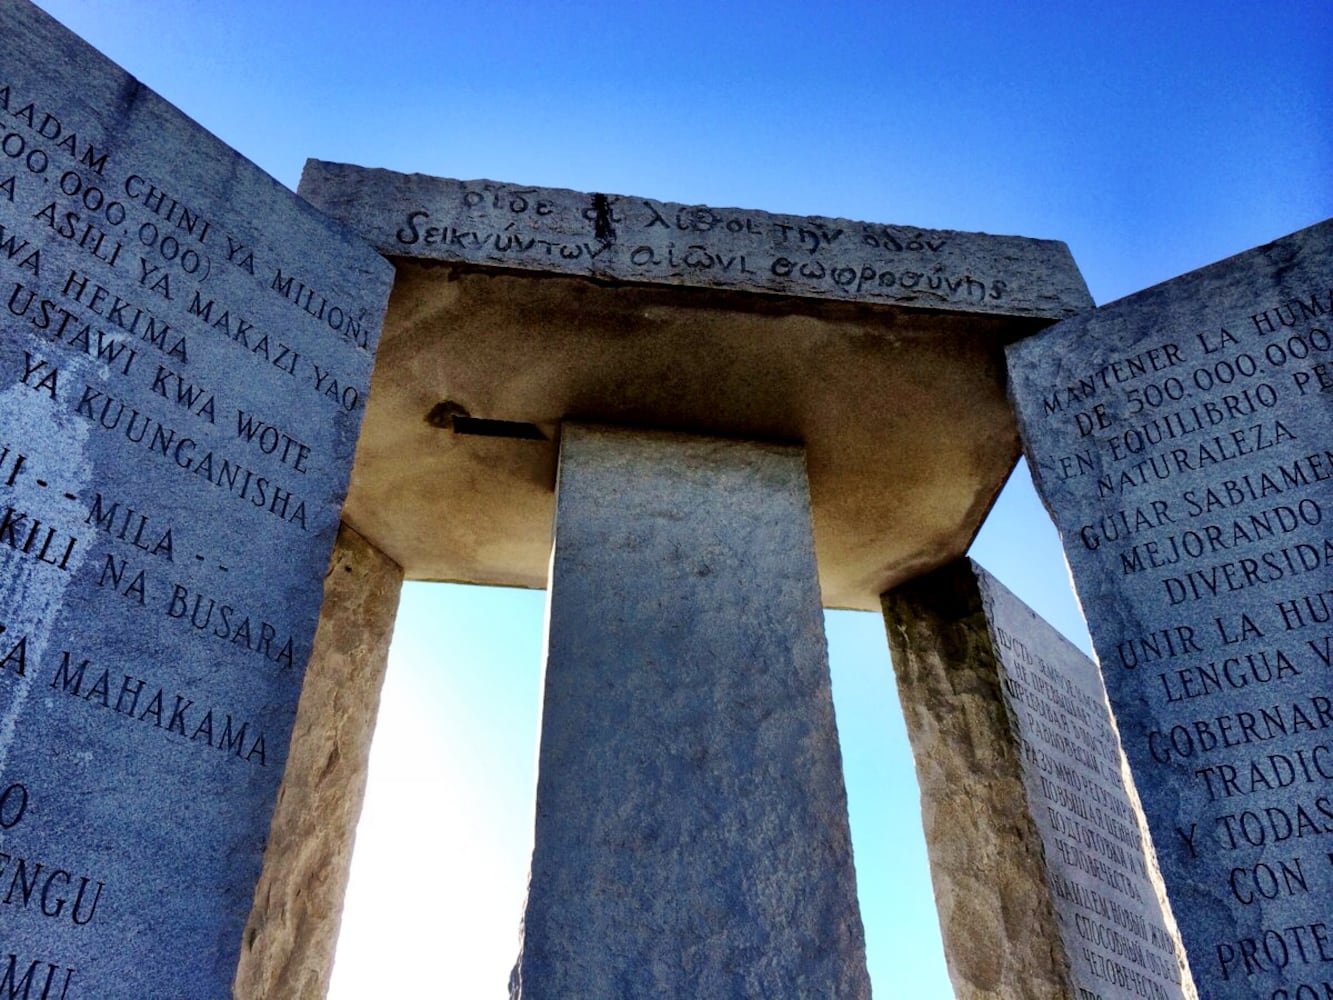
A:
[287,950]
[1045,887]
[691,832]
[1001,937]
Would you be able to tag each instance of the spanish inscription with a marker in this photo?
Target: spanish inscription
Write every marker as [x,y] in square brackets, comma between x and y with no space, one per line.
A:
[642,239]
[1100,874]
[184,357]
[1180,438]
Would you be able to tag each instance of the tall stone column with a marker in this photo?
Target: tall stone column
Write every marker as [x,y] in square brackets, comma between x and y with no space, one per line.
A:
[691,833]
[287,950]
[1046,887]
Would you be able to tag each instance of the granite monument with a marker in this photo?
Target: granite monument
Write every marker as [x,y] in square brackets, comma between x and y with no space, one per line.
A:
[186,349]
[1180,438]
[1045,885]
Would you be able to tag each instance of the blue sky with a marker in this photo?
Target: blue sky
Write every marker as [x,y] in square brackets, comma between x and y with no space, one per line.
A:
[1153,138]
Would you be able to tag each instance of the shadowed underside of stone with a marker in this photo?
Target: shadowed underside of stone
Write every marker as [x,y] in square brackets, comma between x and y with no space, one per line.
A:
[879,348]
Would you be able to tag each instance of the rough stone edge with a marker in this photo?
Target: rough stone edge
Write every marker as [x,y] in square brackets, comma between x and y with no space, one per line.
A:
[289,940]
[1002,938]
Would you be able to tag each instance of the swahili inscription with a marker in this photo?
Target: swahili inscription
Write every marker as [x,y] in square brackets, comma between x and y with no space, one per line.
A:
[1100,876]
[185,349]
[1180,438]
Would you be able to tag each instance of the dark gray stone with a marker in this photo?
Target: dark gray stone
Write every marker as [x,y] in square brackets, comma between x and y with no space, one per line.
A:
[643,240]
[1180,438]
[691,835]
[185,347]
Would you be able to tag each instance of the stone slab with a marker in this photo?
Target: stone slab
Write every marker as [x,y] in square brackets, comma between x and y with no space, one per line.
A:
[1043,882]
[186,348]
[898,398]
[691,831]
[623,238]
[1180,438]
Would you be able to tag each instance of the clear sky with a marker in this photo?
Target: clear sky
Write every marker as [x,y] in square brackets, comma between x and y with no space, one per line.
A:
[1152,137]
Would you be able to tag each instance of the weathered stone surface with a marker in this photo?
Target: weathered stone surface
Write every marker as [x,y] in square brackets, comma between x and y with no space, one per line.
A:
[642,240]
[996,915]
[293,927]
[1180,438]
[691,833]
[853,378]
[171,471]
[1043,885]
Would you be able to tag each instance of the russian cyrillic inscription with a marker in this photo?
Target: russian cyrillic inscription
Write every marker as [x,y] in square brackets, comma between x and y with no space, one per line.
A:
[1096,865]
[1044,884]
[185,349]
[1181,439]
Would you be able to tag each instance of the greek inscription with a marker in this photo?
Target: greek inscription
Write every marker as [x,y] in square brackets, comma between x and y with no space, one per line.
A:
[516,200]
[885,239]
[704,244]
